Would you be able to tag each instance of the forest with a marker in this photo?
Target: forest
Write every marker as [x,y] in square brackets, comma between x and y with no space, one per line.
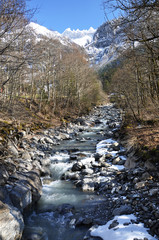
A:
[41,74]
[134,76]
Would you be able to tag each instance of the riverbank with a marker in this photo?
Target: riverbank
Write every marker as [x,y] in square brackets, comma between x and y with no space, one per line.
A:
[126,191]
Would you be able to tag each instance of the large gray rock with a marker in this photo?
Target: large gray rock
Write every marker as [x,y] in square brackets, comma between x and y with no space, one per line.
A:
[11,223]
[124,209]
[24,189]
[21,196]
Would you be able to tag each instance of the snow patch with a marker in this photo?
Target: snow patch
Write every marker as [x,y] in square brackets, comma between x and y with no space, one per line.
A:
[125,229]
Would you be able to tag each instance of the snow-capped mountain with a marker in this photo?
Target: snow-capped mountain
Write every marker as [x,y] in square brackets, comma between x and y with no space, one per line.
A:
[102,45]
[81,38]
[107,43]
[40,31]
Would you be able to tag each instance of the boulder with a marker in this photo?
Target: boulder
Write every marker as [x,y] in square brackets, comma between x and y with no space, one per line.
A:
[24,189]
[11,223]
[124,209]
[21,196]
[77,167]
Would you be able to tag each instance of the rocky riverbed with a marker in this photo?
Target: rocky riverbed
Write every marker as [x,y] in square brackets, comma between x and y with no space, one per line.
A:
[105,174]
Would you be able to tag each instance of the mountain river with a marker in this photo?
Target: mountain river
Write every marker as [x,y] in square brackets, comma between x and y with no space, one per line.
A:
[61,201]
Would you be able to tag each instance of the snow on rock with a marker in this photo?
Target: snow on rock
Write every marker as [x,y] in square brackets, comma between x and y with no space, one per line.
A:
[103,147]
[122,227]
[41,31]
[117,167]
[80,37]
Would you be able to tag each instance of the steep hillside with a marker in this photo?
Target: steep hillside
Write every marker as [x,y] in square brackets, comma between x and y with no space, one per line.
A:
[107,43]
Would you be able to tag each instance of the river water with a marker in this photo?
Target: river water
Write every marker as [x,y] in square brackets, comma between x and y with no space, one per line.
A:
[53,218]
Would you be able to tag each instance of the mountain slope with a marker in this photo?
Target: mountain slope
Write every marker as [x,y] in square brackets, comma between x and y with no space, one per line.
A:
[40,32]
[102,45]
[107,43]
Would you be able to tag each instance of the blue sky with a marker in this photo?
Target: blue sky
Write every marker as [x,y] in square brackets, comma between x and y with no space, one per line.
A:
[61,14]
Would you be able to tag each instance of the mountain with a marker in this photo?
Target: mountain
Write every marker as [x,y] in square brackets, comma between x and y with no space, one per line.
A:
[40,32]
[81,38]
[108,41]
[102,45]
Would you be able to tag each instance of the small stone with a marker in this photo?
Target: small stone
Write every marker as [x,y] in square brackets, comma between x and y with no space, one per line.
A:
[108,156]
[88,187]
[87,171]
[126,223]
[116,160]
[48,140]
[73,157]
[115,146]
[141,184]
[113,224]
[146,176]
[12,149]
[26,156]
[72,222]
[77,167]
[153,191]
[97,156]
